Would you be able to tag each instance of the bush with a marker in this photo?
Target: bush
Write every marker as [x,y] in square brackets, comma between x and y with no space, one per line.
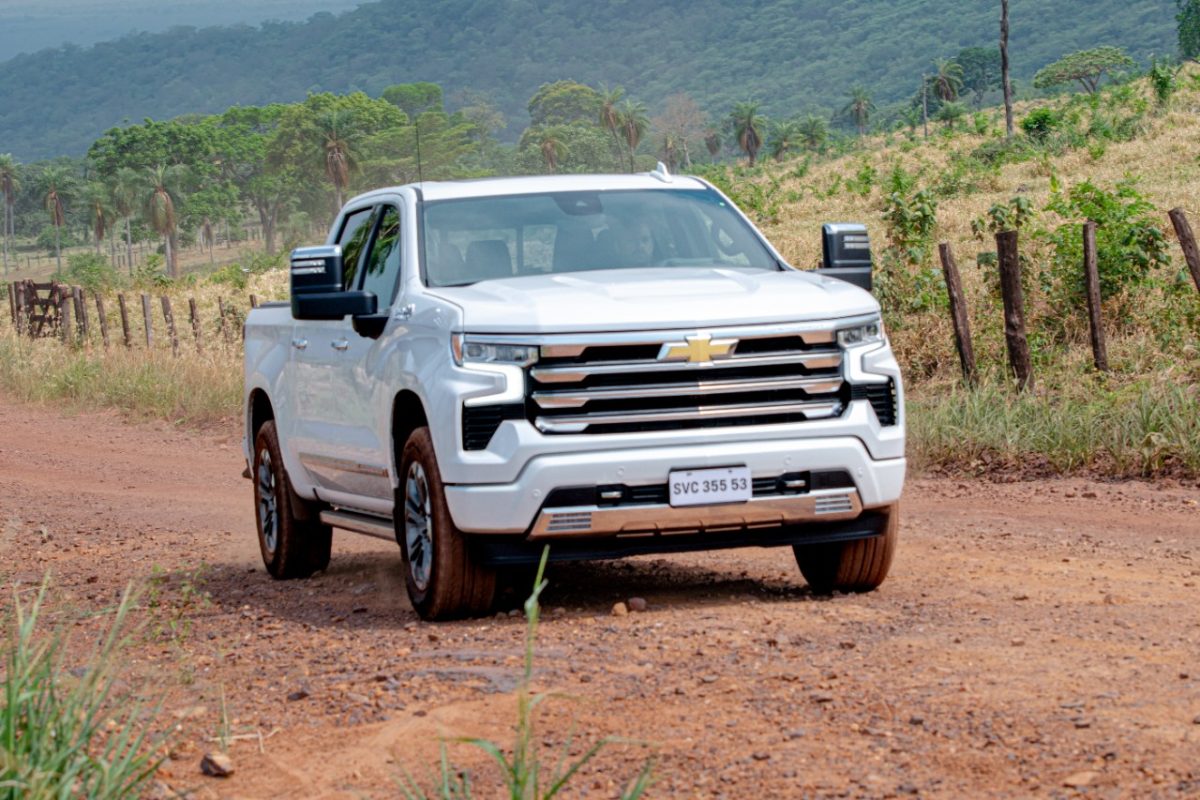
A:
[1129,242]
[92,271]
[1040,123]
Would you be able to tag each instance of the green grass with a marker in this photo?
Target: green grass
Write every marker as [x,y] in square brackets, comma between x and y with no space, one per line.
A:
[64,733]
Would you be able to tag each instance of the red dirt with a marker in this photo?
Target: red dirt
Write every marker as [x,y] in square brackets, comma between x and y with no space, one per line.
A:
[1031,635]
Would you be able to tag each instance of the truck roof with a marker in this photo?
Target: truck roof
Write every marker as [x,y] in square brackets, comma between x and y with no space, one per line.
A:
[536,184]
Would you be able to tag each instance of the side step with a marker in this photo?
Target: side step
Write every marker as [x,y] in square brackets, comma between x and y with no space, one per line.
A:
[365,524]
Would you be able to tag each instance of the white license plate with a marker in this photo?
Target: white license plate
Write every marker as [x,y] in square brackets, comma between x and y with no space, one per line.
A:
[703,487]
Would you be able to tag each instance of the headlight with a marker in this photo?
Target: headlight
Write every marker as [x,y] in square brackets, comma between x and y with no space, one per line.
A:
[469,351]
[866,333]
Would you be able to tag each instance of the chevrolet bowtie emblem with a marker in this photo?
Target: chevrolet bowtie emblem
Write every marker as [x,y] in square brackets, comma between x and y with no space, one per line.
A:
[701,349]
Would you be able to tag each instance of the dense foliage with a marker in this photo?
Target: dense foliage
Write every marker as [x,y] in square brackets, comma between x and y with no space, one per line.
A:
[790,55]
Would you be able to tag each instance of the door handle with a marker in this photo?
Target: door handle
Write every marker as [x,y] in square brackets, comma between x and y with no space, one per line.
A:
[341,344]
[300,344]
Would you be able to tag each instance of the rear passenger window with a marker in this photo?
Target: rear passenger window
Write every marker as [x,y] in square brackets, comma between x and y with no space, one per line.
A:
[355,231]
[382,266]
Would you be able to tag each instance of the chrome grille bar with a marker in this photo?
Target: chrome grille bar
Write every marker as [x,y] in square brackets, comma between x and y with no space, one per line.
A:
[580,422]
[578,398]
[578,372]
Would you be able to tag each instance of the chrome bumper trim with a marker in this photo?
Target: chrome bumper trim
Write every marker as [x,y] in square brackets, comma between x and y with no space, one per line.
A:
[573,521]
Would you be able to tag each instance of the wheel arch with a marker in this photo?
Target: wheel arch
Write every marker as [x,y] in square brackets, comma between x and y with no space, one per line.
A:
[408,414]
[260,410]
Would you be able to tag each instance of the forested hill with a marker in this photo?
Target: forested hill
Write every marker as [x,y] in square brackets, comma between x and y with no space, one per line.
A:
[790,55]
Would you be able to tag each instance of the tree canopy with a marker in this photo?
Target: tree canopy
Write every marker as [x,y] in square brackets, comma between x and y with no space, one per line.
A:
[1088,67]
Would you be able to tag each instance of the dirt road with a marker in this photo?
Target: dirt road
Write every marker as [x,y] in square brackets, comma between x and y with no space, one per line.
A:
[1035,639]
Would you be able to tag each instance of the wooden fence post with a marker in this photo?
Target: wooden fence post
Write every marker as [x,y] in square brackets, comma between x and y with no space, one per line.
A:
[101,316]
[195,323]
[254,301]
[1187,240]
[1014,307]
[1091,275]
[224,322]
[64,316]
[958,313]
[12,302]
[22,311]
[124,319]
[169,318]
[147,317]
[81,313]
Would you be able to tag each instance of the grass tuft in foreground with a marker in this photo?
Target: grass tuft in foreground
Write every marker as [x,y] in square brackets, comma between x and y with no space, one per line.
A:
[525,775]
[62,732]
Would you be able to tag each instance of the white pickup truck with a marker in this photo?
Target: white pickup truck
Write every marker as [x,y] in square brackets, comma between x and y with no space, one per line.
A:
[614,365]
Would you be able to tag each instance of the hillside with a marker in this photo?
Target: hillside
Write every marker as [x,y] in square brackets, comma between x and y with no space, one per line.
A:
[790,55]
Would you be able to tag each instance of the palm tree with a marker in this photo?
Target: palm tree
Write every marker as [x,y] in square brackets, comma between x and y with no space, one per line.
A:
[8,188]
[126,188]
[712,141]
[814,132]
[57,181]
[610,114]
[163,184]
[634,124]
[746,123]
[338,148]
[947,79]
[859,108]
[784,137]
[553,151]
[670,150]
[100,212]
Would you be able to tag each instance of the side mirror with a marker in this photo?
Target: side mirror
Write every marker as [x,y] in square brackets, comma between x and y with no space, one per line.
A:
[316,277]
[846,253]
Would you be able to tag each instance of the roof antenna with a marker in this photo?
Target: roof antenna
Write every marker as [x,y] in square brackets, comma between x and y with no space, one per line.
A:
[417,128]
[661,173]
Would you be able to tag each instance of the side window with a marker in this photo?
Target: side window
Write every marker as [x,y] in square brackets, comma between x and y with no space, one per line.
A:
[355,231]
[382,266]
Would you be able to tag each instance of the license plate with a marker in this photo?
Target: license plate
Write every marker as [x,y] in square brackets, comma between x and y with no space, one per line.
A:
[703,487]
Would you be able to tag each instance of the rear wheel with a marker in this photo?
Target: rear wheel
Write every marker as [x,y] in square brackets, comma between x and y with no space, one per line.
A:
[443,578]
[857,566]
[293,541]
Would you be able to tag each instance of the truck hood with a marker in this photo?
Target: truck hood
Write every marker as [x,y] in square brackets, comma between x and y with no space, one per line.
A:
[652,299]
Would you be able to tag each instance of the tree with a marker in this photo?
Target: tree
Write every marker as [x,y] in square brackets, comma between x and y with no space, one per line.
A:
[1088,67]
[335,129]
[414,99]
[634,124]
[9,184]
[564,103]
[980,71]
[1006,83]
[947,79]
[125,189]
[553,151]
[746,124]
[683,123]
[58,182]
[610,114]
[712,142]
[1189,28]
[784,138]
[814,132]
[859,108]
[164,186]
[100,211]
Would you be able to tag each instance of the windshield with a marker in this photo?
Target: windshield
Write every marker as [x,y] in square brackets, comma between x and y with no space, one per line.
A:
[485,238]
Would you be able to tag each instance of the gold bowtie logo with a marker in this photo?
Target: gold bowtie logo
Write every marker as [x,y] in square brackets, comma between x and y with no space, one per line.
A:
[701,349]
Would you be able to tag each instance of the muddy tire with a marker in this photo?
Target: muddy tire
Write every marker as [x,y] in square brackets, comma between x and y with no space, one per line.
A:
[291,538]
[858,566]
[443,578]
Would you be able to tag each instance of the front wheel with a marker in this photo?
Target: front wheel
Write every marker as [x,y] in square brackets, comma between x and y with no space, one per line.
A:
[857,566]
[293,541]
[443,578]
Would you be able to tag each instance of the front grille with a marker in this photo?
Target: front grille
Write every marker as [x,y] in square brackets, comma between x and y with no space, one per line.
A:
[650,385]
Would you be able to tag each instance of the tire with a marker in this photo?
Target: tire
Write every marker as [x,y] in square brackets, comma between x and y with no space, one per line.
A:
[857,566]
[444,581]
[293,541]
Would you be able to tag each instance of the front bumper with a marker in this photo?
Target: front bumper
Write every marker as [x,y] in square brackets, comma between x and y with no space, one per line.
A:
[517,508]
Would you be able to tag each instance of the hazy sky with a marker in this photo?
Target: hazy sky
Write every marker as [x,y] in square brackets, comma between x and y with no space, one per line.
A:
[28,25]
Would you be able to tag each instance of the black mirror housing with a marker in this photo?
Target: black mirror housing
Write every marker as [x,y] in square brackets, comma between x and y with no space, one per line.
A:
[317,274]
[846,253]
